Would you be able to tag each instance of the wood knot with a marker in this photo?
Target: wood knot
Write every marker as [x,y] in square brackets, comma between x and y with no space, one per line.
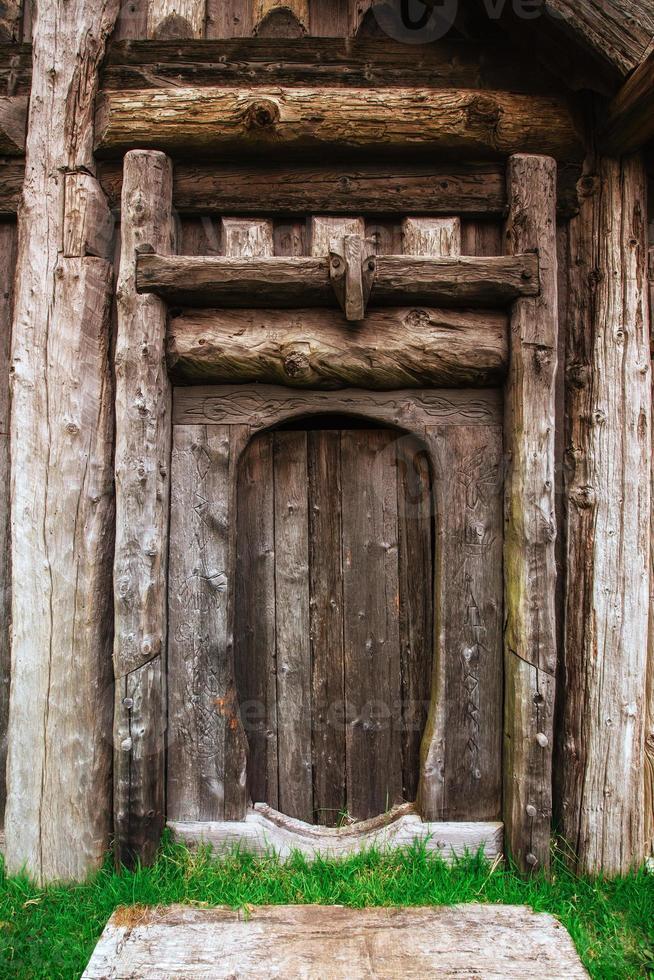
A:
[261,114]
[296,363]
[583,497]
[588,185]
[484,110]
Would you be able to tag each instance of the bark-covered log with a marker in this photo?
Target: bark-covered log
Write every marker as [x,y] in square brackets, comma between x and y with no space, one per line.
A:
[7,270]
[284,120]
[630,117]
[299,281]
[530,522]
[143,434]
[608,520]
[59,752]
[397,348]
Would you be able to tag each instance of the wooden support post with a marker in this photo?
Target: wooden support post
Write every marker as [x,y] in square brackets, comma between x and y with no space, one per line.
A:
[176,19]
[59,741]
[7,270]
[530,524]
[352,270]
[142,502]
[608,520]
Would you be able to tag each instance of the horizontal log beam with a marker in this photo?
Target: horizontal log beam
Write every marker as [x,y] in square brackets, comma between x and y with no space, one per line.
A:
[630,118]
[304,281]
[12,173]
[365,62]
[475,189]
[392,348]
[279,120]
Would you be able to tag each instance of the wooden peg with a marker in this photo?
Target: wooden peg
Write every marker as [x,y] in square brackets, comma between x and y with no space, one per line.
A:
[352,270]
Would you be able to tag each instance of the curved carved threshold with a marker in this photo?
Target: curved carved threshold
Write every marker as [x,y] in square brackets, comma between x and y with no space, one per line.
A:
[265,830]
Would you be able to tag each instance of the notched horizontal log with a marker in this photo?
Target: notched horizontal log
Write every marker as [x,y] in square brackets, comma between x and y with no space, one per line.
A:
[391,348]
[298,282]
[278,120]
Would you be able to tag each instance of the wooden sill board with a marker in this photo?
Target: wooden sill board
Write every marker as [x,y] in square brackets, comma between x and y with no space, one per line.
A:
[265,829]
[487,942]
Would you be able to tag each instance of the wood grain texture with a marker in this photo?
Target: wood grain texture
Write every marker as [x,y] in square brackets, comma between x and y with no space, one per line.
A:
[465,189]
[371,603]
[288,120]
[292,639]
[326,625]
[630,117]
[264,828]
[618,31]
[176,18]
[7,270]
[206,744]
[11,18]
[265,406]
[530,522]
[391,348]
[12,173]
[61,487]
[246,238]
[492,941]
[608,503]
[13,122]
[88,221]
[143,446]
[299,281]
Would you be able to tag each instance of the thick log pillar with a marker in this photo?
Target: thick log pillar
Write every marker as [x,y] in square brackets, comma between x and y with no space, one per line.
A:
[530,524]
[59,741]
[608,501]
[143,447]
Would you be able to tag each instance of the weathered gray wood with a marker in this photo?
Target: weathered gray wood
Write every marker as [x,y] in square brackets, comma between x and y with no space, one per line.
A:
[630,118]
[176,18]
[608,517]
[286,120]
[264,406]
[205,740]
[292,625]
[247,239]
[370,622]
[88,221]
[530,522]
[61,488]
[254,635]
[326,625]
[7,270]
[415,518]
[431,236]
[490,941]
[295,281]
[391,348]
[13,122]
[142,465]
[265,829]
[351,271]
[461,774]
[323,230]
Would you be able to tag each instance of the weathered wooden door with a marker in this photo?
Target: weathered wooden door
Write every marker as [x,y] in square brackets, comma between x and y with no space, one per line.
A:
[335,597]
[333,626]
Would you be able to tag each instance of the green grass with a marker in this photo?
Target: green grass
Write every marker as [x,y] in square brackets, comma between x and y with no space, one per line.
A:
[50,932]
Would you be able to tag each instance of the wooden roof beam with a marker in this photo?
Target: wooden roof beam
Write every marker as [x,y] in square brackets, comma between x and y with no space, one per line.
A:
[630,120]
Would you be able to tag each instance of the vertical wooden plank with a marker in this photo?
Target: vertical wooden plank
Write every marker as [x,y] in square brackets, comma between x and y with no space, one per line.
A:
[414,500]
[292,625]
[7,270]
[466,752]
[530,521]
[370,615]
[203,715]
[229,18]
[324,229]
[481,237]
[326,616]
[254,627]
[290,238]
[330,18]
[386,237]
[132,22]
[608,519]
[143,438]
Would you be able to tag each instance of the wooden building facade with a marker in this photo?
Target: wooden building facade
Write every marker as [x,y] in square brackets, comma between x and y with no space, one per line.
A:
[325,428]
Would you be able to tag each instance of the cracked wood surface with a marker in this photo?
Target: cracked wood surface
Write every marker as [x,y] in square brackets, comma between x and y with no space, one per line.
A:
[530,522]
[61,486]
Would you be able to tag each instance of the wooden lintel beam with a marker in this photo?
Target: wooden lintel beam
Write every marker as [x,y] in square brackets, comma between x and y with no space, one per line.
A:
[304,281]
[271,120]
[630,119]
[391,348]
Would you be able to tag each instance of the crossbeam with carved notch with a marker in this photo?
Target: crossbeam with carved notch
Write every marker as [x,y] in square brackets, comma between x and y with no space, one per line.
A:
[351,271]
